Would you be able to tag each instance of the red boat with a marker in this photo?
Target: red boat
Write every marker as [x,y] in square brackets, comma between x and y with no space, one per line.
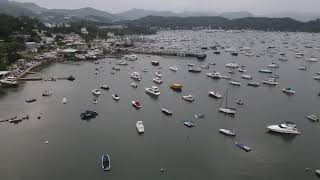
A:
[136,104]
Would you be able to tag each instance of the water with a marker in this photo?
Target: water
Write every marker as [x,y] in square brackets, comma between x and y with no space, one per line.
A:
[75,146]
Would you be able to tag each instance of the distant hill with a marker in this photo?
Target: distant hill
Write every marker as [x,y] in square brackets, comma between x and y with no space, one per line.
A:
[9,8]
[140,13]
[297,16]
[236,15]
[30,6]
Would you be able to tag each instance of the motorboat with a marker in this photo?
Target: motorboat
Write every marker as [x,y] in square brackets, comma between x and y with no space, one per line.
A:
[313,117]
[176,87]
[201,56]
[95,101]
[189,124]
[115,97]
[303,68]
[312,59]
[232,65]
[242,70]
[317,172]
[270,81]
[190,65]
[9,81]
[145,70]
[214,75]
[273,65]
[239,102]
[227,132]
[47,93]
[157,80]
[136,104]
[105,162]
[254,84]
[88,114]
[122,62]
[188,98]
[215,95]
[317,77]
[173,68]
[95,92]
[140,126]
[199,115]
[64,100]
[167,111]
[243,147]
[235,83]
[154,90]
[195,70]
[289,91]
[265,71]
[30,100]
[17,119]
[155,63]
[136,76]
[131,57]
[231,72]
[105,87]
[158,74]
[226,77]
[246,76]
[135,85]
[286,128]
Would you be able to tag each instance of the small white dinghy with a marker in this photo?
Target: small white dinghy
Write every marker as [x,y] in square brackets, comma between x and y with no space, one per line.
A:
[227,132]
[140,126]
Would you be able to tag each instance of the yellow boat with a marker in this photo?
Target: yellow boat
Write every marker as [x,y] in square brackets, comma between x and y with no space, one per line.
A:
[176,86]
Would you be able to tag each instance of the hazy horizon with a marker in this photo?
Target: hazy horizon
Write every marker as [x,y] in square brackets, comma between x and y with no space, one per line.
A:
[258,7]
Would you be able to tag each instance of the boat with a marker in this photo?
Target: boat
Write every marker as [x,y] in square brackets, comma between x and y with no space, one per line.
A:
[317,172]
[243,147]
[135,85]
[47,93]
[316,77]
[199,115]
[71,78]
[145,70]
[235,83]
[232,65]
[227,132]
[105,87]
[312,59]
[191,65]
[30,100]
[115,97]
[273,65]
[254,84]
[205,66]
[201,56]
[195,70]
[242,70]
[154,90]
[188,98]
[17,119]
[155,63]
[246,76]
[215,95]
[216,52]
[289,91]
[105,162]
[239,102]
[157,80]
[9,81]
[136,76]
[303,68]
[189,124]
[95,101]
[131,57]
[270,81]
[226,77]
[122,62]
[173,68]
[313,117]
[286,128]
[176,87]
[136,104]
[225,109]
[166,111]
[88,114]
[95,92]
[158,74]
[214,75]
[64,100]
[265,71]
[231,72]
[140,126]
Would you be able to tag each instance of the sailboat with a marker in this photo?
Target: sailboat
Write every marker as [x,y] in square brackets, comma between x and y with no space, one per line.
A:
[226,109]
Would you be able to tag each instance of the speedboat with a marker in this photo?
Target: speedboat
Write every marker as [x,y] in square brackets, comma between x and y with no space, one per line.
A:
[135,85]
[243,147]
[105,87]
[270,81]
[140,126]
[246,76]
[189,124]
[176,87]
[47,93]
[199,115]
[232,65]
[227,132]
[30,100]
[188,98]
[227,110]
[166,111]
[173,68]
[235,83]
[289,91]
[215,95]
[136,76]
[115,97]
[265,71]
[286,128]
[214,75]
[239,102]
[64,100]
[158,74]
[254,84]
[105,162]
[312,117]
[195,70]
[157,80]
[136,104]
[154,90]
[95,92]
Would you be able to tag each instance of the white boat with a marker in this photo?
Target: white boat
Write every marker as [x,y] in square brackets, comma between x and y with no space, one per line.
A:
[9,81]
[135,85]
[246,76]
[215,95]
[273,65]
[131,57]
[316,77]
[157,80]
[47,93]
[225,109]
[285,128]
[95,101]
[95,92]
[232,65]
[254,84]
[188,98]
[136,76]
[228,132]
[145,70]
[154,90]
[270,81]
[242,70]
[166,111]
[226,77]
[235,83]
[122,62]
[214,75]
[312,59]
[173,68]
[64,100]
[312,117]
[303,68]
[115,97]
[289,91]
[140,126]
[265,71]
[158,74]
[105,87]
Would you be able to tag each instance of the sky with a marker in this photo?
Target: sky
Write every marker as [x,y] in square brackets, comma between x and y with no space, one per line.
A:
[253,6]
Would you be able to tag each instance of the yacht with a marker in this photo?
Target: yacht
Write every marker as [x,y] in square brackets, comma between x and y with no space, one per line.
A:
[225,109]
[189,124]
[105,162]
[64,100]
[317,77]
[312,59]
[214,75]
[235,83]
[232,65]
[157,80]
[188,98]
[286,128]
[166,111]
[9,81]
[270,81]
[173,68]
[242,70]
[158,74]
[140,126]
[199,115]
[136,76]
[227,132]
[115,97]
[95,92]
[289,91]
[145,70]
[243,147]
[135,85]
[246,76]
[273,65]
[303,68]
[154,90]
[265,71]
[254,84]
[312,117]
[215,95]
[136,104]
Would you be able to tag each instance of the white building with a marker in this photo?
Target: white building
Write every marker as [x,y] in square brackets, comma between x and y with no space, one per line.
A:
[84,30]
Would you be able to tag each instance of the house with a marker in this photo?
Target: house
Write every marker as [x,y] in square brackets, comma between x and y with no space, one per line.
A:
[84,30]
[32,46]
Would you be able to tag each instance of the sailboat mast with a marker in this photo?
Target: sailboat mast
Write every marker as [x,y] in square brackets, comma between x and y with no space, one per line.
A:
[226,98]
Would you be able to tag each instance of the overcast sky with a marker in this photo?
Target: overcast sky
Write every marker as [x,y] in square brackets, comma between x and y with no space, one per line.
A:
[254,6]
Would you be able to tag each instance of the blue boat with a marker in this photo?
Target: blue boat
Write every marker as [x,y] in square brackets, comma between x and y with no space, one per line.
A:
[105,162]
[243,147]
